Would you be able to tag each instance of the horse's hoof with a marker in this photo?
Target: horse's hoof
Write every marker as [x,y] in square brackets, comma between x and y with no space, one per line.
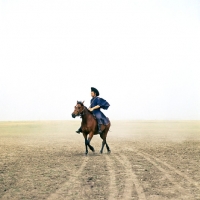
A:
[93,151]
[109,151]
[101,152]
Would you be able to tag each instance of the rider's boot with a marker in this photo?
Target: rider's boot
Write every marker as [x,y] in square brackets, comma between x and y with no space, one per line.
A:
[79,130]
[99,129]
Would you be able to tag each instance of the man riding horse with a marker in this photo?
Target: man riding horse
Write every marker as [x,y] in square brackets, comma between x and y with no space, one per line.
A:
[96,104]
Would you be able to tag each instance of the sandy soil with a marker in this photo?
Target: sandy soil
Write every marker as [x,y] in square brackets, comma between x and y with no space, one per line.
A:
[149,160]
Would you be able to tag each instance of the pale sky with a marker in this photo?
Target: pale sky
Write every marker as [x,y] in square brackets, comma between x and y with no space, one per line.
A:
[143,57]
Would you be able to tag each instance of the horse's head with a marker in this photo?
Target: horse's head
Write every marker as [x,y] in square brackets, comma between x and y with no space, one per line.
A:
[78,109]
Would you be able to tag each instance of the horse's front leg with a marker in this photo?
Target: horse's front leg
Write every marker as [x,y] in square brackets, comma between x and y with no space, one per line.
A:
[86,148]
[88,142]
[108,148]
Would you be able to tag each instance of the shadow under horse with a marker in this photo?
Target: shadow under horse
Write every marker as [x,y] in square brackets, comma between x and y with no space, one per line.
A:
[89,127]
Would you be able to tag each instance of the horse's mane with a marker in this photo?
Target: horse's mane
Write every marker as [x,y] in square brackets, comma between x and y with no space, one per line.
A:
[81,103]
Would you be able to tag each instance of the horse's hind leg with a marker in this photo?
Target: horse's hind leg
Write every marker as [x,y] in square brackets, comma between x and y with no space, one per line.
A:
[107,147]
[103,136]
[103,142]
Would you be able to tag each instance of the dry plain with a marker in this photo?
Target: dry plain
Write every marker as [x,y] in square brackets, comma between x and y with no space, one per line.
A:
[149,160]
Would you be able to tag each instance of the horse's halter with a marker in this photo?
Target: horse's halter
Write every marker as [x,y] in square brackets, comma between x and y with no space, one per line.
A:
[82,112]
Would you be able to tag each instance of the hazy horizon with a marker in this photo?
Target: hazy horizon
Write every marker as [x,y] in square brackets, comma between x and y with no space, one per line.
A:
[143,57]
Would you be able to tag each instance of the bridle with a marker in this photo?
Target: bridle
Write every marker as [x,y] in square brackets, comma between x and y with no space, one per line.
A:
[82,112]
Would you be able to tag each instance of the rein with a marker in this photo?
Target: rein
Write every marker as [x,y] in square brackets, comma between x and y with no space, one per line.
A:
[82,112]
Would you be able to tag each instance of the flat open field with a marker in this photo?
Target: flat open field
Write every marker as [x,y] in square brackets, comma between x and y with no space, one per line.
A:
[149,160]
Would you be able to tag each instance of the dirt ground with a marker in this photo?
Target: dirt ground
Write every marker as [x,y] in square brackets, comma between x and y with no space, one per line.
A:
[149,160]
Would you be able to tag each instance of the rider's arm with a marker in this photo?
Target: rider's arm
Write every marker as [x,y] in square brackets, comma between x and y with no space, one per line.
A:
[94,108]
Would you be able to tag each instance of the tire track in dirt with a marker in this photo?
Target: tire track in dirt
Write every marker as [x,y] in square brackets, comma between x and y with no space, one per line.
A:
[191,181]
[63,191]
[112,187]
[132,178]
[166,174]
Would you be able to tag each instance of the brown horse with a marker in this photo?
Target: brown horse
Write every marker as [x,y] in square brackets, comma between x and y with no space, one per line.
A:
[89,127]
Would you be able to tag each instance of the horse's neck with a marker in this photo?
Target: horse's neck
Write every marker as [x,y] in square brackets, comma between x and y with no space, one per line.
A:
[87,115]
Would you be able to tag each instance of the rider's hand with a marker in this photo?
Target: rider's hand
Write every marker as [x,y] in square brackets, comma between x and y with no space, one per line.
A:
[90,109]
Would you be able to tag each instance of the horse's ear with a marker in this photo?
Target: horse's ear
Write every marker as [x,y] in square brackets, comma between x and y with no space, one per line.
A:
[83,102]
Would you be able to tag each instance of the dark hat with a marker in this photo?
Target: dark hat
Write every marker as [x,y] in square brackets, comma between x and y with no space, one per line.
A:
[95,91]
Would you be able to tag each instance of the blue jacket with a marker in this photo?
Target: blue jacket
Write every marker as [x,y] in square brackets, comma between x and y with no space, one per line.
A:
[101,118]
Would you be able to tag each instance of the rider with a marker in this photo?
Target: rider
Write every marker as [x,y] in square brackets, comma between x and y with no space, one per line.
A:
[97,103]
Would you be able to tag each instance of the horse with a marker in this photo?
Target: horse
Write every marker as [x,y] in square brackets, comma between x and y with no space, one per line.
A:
[89,127]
